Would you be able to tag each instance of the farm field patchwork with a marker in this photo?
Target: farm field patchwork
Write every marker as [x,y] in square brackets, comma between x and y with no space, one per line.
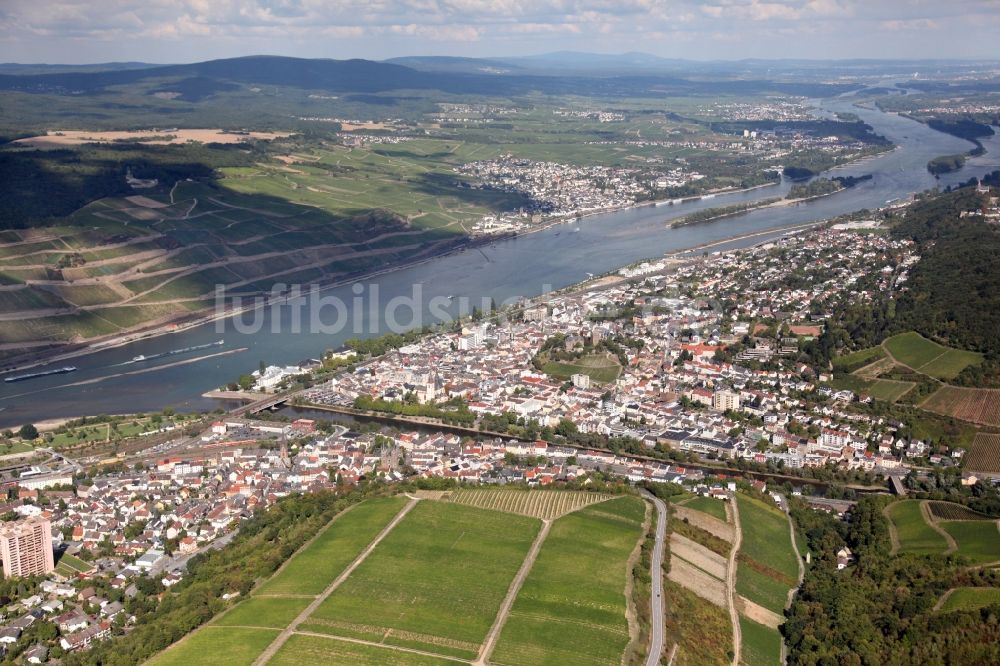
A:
[766,564]
[687,528]
[970,598]
[545,504]
[556,618]
[928,357]
[308,649]
[313,568]
[913,532]
[977,405]
[434,583]
[169,248]
[228,646]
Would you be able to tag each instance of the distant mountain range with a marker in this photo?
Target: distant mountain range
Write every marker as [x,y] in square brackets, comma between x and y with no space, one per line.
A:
[554,75]
[563,72]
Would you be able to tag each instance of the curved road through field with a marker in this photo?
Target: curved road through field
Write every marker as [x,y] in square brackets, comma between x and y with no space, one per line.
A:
[656,597]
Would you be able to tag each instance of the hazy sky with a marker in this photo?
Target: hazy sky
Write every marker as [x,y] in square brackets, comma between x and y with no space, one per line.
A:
[78,31]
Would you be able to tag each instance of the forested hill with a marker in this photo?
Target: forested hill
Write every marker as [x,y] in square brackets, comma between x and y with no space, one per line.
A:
[882,610]
[953,292]
[367,76]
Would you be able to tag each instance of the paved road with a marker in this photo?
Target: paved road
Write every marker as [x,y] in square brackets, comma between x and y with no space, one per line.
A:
[656,569]
[178,562]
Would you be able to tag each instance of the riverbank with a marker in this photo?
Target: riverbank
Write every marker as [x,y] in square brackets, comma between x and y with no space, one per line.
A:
[174,325]
[182,323]
[653,203]
[57,352]
[764,204]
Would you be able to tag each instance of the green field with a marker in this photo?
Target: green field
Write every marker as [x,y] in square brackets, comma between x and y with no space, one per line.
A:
[851,383]
[225,646]
[680,497]
[761,645]
[889,390]
[70,565]
[412,179]
[313,568]
[712,507]
[436,581]
[978,540]
[858,359]
[953,511]
[599,367]
[766,568]
[571,609]
[929,357]
[304,649]
[270,612]
[915,535]
[971,598]
[546,504]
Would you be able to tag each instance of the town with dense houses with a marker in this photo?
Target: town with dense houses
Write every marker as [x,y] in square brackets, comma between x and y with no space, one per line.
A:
[677,371]
[696,356]
[693,359]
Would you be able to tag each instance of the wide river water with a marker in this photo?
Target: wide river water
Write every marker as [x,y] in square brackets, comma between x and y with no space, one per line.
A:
[107,383]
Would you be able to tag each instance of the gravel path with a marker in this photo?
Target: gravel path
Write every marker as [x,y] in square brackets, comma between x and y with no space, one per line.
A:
[731,583]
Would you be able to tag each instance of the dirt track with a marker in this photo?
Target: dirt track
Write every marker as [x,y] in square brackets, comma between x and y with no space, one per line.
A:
[286,633]
[731,583]
[515,586]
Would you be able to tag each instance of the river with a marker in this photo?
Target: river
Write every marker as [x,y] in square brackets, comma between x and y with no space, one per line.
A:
[107,383]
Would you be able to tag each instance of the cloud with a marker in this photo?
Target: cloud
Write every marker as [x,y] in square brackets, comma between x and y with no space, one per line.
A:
[376,28]
[909,24]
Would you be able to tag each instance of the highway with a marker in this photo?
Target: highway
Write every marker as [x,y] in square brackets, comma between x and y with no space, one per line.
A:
[656,573]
